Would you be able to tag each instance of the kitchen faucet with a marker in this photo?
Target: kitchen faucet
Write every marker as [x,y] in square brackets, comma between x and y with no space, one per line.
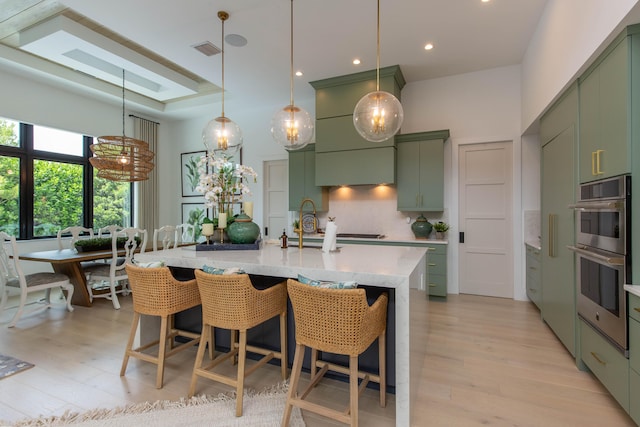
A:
[300,228]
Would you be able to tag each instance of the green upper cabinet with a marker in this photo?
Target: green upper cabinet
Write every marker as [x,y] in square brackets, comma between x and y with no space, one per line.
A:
[302,172]
[343,157]
[605,108]
[338,96]
[420,171]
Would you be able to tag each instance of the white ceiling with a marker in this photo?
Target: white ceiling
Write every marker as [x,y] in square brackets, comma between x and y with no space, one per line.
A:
[468,36]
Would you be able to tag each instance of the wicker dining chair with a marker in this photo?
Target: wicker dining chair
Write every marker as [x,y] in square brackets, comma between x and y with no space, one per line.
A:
[231,302]
[157,293]
[338,321]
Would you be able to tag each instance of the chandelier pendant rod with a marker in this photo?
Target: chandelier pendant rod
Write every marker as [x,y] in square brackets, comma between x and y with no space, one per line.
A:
[291,56]
[378,51]
[223,17]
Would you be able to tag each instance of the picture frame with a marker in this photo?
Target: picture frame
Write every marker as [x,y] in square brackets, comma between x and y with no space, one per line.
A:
[194,213]
[189,175]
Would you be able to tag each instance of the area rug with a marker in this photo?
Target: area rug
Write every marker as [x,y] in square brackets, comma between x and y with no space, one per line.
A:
[11,365]
[262,409]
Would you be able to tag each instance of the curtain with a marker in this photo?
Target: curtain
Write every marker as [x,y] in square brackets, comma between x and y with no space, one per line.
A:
[147,201]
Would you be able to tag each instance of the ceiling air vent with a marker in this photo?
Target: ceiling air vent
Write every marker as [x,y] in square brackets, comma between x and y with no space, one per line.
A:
[206,48]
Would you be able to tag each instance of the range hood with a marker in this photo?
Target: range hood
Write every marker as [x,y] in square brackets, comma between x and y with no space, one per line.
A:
[343,157]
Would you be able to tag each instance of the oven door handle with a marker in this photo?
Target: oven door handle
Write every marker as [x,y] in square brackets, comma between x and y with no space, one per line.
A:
[596,205]
[602,259]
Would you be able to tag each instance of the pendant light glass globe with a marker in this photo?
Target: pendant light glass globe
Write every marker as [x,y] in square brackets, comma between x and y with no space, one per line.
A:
[378,116]
[222,136]
[292,127]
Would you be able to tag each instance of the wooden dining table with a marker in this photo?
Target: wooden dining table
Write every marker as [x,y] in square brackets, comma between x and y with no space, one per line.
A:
[69,262]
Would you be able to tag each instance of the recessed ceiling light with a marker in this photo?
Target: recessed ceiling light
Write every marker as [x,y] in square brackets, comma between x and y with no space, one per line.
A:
[299,73]
[428,46]
[356,61]
[485,1]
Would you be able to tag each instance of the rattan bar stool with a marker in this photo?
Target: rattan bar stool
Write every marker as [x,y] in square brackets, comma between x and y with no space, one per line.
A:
[338,321]
[157,293]
[232,302]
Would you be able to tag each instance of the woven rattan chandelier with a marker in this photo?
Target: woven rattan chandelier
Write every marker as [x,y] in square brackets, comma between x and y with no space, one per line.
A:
[121,158]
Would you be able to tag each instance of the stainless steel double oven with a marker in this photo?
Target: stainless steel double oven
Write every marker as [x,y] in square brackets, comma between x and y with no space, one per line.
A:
[603,262]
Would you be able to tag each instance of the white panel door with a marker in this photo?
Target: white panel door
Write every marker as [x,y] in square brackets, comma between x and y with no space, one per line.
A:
[486,256]
[276,197]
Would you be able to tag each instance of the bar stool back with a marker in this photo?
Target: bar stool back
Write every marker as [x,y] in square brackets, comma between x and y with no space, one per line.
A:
[157,293]
[338,321]
[230,301]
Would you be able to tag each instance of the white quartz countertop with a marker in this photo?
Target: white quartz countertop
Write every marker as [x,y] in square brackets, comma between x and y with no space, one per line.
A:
[534,244]
[633,289]
[386,266]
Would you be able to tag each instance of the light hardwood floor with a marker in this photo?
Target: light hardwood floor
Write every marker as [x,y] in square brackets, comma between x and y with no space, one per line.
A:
[482,361]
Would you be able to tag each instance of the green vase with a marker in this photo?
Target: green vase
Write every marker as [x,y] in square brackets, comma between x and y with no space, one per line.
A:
[243,230]
[421,227]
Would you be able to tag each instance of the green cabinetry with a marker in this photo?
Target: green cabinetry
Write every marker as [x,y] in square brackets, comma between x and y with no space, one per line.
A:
[533,276]
[436,274]
[605,113]
[634,357]
[558,188]
[420,171]
[343,157]
[437,266]
[302,172]
[606,362]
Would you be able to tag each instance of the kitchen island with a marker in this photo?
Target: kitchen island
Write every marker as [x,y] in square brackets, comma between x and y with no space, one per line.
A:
[392,267]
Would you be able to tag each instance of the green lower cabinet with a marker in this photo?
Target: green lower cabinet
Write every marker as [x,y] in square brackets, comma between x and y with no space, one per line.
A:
[634,395]
[437,266]
[436,263]
[634,357]
[533,279]
[606,363]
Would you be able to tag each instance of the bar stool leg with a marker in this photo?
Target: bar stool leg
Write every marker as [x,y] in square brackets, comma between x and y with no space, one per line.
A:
[206,331]
[283,345]
[296,370]
[132,335]
[162,350]
[353,389]
[241,365]
[382,349]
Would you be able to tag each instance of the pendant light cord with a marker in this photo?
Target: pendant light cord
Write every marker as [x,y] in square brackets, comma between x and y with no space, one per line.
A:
[223,18]
[123,109]
[378,52]
[291,64]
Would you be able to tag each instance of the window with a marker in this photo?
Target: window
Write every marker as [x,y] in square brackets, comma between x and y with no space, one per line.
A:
[47,183]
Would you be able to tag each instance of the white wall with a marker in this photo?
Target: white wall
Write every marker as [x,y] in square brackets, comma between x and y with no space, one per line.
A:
[569,36]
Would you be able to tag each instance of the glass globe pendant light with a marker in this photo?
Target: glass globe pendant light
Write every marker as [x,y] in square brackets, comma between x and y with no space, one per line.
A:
[292,127]
[222,135]
[378,115]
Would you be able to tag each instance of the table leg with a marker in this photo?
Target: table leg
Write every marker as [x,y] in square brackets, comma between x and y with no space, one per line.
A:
[77,279]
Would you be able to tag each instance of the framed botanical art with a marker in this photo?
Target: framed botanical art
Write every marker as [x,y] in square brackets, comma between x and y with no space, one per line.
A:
[189,172]
[194,213]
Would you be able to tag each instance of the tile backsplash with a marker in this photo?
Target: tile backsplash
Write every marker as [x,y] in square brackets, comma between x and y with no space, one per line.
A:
[370,209]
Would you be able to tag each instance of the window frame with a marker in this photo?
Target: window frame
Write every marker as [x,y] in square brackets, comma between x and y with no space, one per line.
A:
[26,154]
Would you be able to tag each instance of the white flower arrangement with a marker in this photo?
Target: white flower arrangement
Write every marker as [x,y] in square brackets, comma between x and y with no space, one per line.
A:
[222,183]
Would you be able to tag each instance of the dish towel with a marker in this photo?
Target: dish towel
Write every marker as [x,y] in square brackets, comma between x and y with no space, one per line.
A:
[330,235]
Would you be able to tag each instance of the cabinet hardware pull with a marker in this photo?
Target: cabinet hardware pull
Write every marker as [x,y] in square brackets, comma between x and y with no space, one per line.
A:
[421,200]
[430,248]
[432,285]
[593,163]
[432,264]
[417,195]
[552,233]
[533,290]
[636,309]
[595,356]
[598,171]
[532,268]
